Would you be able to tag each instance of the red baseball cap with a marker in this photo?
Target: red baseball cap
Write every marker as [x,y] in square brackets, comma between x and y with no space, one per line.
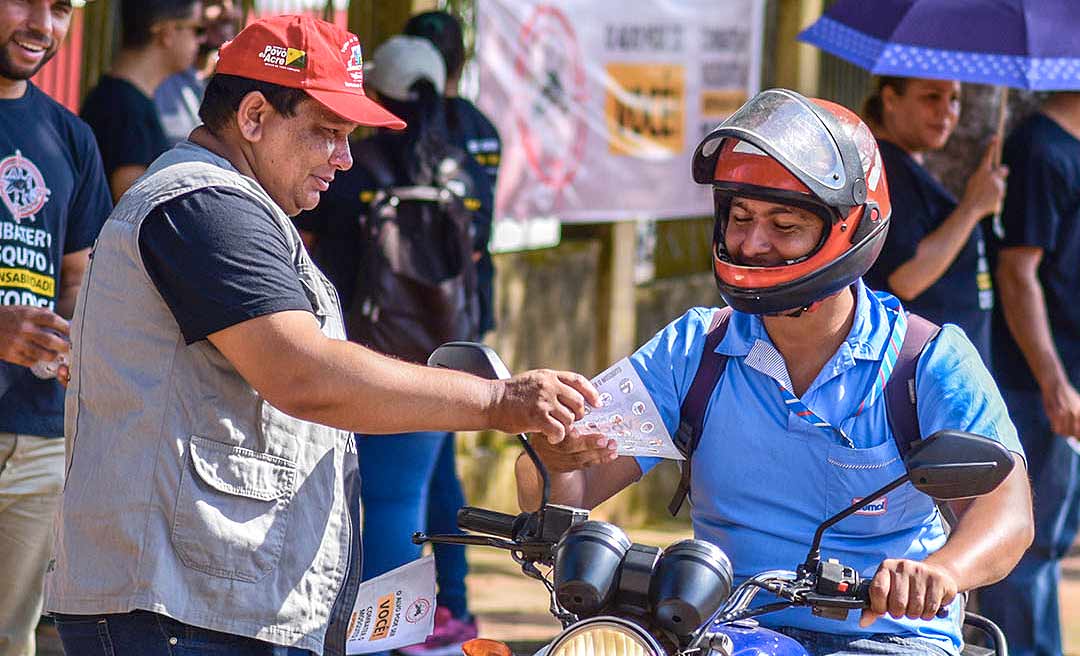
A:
[306,53]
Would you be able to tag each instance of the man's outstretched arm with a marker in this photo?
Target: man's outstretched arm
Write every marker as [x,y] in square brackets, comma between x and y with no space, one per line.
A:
[288,360]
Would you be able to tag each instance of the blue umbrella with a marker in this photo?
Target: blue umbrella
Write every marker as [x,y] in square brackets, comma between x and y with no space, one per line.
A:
[1026,44]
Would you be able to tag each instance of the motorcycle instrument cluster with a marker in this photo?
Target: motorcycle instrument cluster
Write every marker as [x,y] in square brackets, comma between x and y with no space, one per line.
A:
[598,571]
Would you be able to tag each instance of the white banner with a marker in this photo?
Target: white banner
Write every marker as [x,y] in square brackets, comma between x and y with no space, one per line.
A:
[600,103]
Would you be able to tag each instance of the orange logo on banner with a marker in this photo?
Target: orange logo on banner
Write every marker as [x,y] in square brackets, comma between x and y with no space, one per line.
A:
[645,108]
[717,104]
[384,617]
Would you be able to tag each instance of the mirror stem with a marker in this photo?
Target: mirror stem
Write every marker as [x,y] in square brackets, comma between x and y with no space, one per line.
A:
[539,467]
[814,556]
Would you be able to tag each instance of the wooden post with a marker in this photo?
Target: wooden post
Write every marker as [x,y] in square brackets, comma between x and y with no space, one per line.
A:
[374,21]
[616,314]
[100,33]
[797,64]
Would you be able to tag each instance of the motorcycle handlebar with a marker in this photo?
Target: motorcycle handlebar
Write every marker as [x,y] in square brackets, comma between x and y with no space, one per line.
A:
[489,522]
[862,593]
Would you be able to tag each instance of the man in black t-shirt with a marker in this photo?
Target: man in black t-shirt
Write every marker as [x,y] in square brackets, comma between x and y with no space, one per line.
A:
[1037,360]
[158,38]
[54,201]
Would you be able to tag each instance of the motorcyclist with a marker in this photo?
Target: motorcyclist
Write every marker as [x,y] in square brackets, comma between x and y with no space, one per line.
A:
[796,429]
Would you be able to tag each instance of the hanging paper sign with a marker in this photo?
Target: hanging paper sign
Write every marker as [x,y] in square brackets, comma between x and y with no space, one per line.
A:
[600,104]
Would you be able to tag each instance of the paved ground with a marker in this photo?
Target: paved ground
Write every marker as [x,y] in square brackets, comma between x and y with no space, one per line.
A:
[513,608]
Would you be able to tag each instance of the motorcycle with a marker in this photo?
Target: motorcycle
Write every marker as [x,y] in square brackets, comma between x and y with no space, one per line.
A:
[615,598]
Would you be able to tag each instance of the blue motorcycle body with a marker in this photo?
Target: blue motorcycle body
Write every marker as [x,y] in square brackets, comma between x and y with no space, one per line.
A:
[759,641]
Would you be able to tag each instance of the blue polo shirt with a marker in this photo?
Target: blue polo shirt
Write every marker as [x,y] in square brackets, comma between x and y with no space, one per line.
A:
[764,478]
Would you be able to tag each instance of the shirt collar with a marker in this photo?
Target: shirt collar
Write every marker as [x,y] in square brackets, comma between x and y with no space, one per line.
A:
[867,339]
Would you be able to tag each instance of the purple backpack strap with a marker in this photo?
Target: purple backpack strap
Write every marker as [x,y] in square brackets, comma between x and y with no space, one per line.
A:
[901,401]
[692,412]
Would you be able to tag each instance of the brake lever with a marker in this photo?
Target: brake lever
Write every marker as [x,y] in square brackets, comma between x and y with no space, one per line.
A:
[473,540]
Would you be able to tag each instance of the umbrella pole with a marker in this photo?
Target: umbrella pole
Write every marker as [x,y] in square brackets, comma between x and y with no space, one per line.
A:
[1003,103]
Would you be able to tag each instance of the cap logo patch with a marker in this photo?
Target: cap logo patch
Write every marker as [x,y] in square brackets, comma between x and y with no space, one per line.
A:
[282,57]
[354,62]
[296,58]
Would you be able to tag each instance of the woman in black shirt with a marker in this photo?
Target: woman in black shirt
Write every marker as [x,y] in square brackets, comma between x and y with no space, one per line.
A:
[934,258]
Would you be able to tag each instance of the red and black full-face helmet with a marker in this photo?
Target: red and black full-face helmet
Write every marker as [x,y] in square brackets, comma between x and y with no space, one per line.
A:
[781,147]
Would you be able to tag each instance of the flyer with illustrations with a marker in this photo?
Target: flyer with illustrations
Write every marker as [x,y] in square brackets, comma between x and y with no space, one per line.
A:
[394,610]
[627,414]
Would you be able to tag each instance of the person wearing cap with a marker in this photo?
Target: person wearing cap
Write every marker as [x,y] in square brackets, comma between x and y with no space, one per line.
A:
[471,131]
[795,428]
[396,476]
[211,500]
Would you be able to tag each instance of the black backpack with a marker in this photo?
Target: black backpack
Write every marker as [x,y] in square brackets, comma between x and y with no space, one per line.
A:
[416,280]
[900,398]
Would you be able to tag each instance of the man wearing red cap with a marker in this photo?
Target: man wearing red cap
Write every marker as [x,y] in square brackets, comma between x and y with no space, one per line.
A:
[212,491]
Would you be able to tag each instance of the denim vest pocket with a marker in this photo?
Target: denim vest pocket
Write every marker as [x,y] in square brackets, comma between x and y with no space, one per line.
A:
[232,510]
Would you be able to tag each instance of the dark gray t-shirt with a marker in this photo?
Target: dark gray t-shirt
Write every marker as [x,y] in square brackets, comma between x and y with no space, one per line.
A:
[218,259]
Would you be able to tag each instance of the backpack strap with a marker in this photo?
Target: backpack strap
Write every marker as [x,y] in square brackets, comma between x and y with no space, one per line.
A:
[692,412]
[901,401]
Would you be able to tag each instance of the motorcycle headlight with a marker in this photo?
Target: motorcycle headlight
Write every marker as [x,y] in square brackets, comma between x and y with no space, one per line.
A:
[605,636]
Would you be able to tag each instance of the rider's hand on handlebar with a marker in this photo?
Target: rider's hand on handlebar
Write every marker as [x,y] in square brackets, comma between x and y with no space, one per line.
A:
[908,588]
[541,401]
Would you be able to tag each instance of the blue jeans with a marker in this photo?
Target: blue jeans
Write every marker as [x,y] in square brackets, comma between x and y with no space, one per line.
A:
[1025,604]
[142,633]
[445,498]
[829,644]
[395,477]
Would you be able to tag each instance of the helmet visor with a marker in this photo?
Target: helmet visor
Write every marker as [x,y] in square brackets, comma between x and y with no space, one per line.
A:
[787,128]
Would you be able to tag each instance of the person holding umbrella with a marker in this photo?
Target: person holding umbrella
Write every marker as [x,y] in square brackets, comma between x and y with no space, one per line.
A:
[934,257]
[1037,353]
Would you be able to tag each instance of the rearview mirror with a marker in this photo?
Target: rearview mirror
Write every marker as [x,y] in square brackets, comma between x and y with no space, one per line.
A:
[470,357]
[483,361]
[956,465]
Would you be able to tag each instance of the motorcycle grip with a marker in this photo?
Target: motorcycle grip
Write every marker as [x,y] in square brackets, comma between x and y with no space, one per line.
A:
[862,592]
[489,522]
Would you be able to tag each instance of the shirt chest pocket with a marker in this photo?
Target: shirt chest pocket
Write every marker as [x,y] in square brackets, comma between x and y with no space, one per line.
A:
[854,474]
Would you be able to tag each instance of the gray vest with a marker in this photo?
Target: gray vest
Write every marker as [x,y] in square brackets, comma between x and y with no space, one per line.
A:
[187,493]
